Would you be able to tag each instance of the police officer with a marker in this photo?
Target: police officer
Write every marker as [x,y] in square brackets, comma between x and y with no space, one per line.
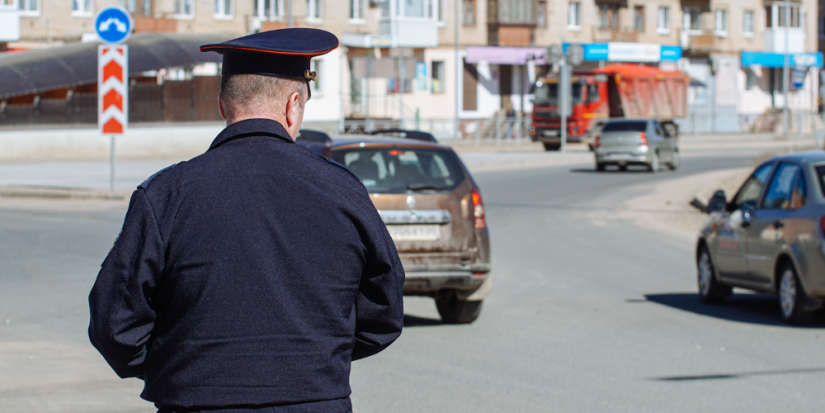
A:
[249,277]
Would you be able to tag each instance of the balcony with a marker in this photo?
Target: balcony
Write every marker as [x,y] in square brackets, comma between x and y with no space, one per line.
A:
[773,40]
[410,31]
[607,34]
[700,41]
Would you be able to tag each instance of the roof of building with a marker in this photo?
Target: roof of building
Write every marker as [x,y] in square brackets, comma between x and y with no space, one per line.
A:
[40,70]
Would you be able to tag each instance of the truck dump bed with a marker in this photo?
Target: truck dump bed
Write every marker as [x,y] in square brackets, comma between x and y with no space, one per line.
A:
[645,92]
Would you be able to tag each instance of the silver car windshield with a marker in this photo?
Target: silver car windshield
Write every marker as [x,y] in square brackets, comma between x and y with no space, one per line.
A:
[396,170]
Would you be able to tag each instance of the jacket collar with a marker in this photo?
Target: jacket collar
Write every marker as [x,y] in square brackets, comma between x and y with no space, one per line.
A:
[251,127]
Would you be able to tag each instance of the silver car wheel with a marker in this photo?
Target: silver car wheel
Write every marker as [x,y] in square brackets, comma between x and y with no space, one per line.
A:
[787,292]
[705,274]
[654,162]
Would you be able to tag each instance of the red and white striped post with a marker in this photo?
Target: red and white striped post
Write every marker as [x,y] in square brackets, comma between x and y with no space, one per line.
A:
[113,96]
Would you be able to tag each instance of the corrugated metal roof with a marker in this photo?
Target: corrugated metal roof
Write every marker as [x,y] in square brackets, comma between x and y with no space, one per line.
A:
[65,66]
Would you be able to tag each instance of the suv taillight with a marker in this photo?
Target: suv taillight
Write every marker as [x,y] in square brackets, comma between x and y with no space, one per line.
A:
[596,142]
[480,222]
[643,141]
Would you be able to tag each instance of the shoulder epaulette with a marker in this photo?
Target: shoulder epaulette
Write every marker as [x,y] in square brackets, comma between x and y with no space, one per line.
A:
[342,167]
[145,183]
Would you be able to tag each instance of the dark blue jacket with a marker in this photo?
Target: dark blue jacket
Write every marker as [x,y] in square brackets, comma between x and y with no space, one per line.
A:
[250,275]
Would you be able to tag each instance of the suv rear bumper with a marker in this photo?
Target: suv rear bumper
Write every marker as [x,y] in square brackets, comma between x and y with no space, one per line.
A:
[428,280]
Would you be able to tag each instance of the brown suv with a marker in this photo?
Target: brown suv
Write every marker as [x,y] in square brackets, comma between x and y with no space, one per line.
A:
[434,212]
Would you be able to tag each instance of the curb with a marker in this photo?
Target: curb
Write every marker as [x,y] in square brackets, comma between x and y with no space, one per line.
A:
[60,193]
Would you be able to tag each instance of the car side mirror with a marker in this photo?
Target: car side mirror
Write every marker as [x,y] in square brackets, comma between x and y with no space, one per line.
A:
[718,202]
[748,209]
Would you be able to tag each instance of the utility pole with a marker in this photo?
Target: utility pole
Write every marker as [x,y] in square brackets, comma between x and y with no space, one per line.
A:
[785,66]
[401,86]
[564,84]
[458,69]
[290,22]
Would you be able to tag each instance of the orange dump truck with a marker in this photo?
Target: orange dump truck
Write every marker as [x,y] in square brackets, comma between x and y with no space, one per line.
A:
[614,91]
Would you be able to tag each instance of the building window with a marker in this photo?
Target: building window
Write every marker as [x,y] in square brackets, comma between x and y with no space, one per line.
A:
[639,19]
[82,7]
[747,23]
[184,8]
[541,13]
[317,67]
[778,10]
[269,9]
[721,28]
[693,19]
[28,7]
[438,75]
[314,10]
[574,15]
[468,13]
[129,5]
[436,10]
[356,10]
[822,27]
[750,79]
[223,9]
[663,20]
[608,15]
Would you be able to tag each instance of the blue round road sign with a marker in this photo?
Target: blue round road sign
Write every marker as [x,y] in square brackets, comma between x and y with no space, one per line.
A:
[113,25]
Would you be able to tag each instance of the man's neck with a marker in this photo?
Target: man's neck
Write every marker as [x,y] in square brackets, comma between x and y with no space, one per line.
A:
[237,119]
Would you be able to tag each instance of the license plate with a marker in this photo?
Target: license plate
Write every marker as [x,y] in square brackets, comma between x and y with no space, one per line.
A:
[550,133]
[415,232]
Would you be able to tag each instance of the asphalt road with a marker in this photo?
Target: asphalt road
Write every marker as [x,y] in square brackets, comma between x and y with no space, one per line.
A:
[589,313]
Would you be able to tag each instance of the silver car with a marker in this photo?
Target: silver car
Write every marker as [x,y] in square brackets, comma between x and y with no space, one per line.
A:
[770,237]
[645,142]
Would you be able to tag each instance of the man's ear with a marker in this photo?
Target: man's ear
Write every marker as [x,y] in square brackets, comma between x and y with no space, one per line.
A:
[220,107]
[292,107]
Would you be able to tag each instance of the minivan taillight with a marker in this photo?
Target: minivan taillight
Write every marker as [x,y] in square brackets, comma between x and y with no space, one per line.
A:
[596,142]
[643,139]
[480,222]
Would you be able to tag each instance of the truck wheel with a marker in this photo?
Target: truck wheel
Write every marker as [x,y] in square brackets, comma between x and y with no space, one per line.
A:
[710,290]
[654,162]
[674,162]
[455,311]
[792,298]
[552,146]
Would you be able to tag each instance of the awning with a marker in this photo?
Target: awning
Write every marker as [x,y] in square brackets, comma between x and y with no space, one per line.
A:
[76,64]
[506,55]
[770,59]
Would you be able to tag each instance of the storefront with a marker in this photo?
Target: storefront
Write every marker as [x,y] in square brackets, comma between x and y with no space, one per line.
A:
[761,88]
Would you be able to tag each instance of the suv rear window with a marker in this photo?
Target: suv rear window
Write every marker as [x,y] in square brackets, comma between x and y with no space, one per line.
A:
[396,170]
[820,171]
[625,127]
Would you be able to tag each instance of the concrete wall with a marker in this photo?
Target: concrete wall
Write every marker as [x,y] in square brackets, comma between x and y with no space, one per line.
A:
[89,144]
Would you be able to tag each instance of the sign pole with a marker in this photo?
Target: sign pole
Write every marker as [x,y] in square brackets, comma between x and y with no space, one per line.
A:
[112,163]
[113,26]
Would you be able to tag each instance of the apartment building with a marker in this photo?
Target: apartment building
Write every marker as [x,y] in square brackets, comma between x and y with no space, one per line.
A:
[399,58]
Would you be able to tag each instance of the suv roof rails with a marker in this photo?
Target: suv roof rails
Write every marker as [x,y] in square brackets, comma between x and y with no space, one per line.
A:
[408,134]
[313,136]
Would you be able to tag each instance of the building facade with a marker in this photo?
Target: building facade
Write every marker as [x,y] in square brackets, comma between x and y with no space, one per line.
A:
[427,59]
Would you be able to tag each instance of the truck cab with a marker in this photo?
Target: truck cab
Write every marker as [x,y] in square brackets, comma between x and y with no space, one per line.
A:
[588,104]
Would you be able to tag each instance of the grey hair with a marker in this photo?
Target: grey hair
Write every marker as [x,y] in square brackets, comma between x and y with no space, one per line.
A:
[258,93]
